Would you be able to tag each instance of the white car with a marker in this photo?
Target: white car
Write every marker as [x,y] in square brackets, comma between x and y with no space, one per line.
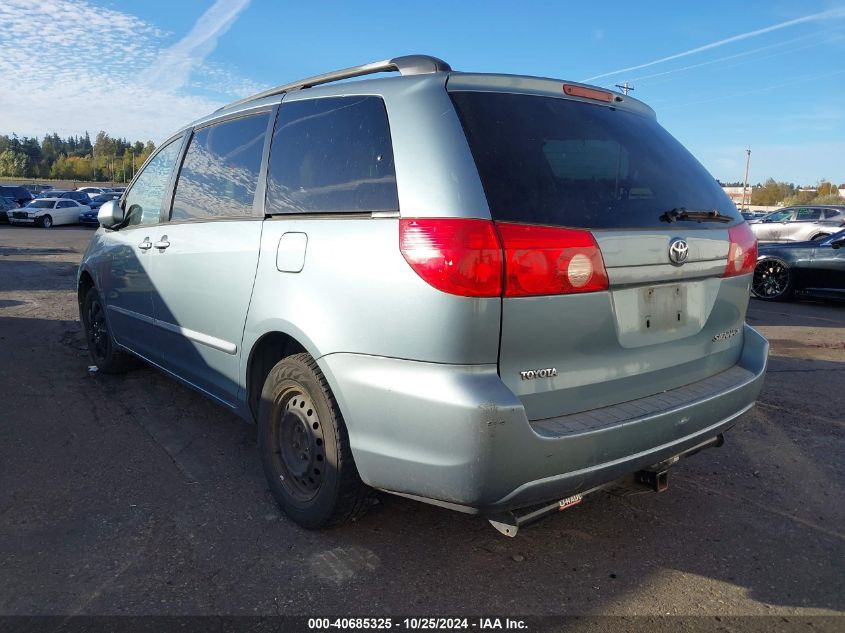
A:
[93,191]
[47,212]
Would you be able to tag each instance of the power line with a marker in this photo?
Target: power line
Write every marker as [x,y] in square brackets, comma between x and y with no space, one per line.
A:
[745,181]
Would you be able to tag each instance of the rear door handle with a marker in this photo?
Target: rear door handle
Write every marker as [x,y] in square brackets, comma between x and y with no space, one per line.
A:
[146,244]
[162,243]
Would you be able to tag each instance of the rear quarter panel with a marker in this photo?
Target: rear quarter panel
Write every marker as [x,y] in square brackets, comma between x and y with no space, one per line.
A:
[357,294]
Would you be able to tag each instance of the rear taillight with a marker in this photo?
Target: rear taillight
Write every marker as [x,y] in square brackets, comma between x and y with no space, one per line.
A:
[465,257]
[742,252]
[461,257]
[541,260]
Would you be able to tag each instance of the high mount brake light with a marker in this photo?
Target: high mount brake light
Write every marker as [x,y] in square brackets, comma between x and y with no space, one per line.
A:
[465,256]
[742,252]
[542,260]
[588,93]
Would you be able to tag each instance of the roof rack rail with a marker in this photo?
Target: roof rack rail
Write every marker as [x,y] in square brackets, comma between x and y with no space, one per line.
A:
[405,65]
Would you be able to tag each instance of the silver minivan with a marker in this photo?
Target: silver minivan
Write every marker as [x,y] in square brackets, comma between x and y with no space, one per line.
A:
[493,293]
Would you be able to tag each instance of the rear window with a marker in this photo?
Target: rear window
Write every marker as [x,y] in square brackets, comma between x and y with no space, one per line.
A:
[546,160]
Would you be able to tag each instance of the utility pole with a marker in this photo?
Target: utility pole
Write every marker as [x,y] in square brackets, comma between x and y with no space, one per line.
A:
[624,87]
[745,181]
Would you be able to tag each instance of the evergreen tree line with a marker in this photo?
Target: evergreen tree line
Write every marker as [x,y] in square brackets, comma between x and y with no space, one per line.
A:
[72,158]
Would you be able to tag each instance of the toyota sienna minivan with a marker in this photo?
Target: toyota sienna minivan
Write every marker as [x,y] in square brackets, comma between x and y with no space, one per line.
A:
[493,293]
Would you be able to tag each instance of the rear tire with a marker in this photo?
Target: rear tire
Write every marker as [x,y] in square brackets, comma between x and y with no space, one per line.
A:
[773,281]
[46,222]
[101,346]
[820,236]
[304,447]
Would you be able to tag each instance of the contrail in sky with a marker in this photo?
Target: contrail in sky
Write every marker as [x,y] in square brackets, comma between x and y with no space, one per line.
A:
[832,13]
[782,44]
[174,64]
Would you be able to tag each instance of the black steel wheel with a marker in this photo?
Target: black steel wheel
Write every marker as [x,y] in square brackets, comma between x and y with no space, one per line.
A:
[96,330]
[304,447]
[301,448]
[772,280]
[101,348]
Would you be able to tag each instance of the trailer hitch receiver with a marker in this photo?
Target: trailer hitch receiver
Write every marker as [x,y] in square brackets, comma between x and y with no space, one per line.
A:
[657,480]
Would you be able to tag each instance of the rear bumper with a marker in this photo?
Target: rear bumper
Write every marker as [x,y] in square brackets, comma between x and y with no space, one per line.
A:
[456,435]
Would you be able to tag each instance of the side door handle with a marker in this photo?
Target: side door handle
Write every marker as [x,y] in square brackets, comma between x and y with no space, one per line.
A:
[146,244]
[162,243]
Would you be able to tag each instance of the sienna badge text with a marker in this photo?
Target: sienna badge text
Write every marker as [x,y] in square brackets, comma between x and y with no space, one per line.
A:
[723,336]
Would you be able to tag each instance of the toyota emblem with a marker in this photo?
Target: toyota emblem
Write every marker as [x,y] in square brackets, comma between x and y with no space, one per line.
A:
[678,251]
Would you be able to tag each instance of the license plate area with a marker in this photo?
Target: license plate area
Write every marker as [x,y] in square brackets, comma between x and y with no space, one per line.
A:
[663,308]
[649,315]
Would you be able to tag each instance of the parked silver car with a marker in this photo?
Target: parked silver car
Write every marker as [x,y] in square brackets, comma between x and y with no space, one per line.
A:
[481,291]
[799,224]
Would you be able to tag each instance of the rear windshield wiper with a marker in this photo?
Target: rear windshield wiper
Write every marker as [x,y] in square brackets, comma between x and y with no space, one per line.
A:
[699,215]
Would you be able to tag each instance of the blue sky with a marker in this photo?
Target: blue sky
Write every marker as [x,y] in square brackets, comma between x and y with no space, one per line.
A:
[722,76]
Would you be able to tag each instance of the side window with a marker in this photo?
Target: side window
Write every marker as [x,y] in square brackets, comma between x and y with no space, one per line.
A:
[332,155]
[65,204]
[808,214]
[831,213]
[143,202]
[219,175]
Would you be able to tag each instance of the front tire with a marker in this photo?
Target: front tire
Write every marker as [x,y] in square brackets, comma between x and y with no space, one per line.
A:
[101,347]
[773,281]
[819,237]
[46,222]
[304,447]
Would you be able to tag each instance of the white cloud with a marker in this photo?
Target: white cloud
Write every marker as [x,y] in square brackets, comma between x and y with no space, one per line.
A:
[83,74]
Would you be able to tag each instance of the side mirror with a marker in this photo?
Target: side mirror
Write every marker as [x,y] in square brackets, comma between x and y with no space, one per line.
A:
[110,214]
[838,243]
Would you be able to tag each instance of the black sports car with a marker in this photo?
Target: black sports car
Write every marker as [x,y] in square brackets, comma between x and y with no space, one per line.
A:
[810,268]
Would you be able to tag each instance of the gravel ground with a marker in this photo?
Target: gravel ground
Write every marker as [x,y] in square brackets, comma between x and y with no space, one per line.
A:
[134,495]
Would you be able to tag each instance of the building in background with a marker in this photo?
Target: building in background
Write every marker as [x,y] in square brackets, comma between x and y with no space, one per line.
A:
[735,194]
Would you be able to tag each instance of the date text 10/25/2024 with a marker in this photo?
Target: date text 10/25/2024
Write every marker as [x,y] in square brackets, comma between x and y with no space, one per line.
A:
[325,624]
